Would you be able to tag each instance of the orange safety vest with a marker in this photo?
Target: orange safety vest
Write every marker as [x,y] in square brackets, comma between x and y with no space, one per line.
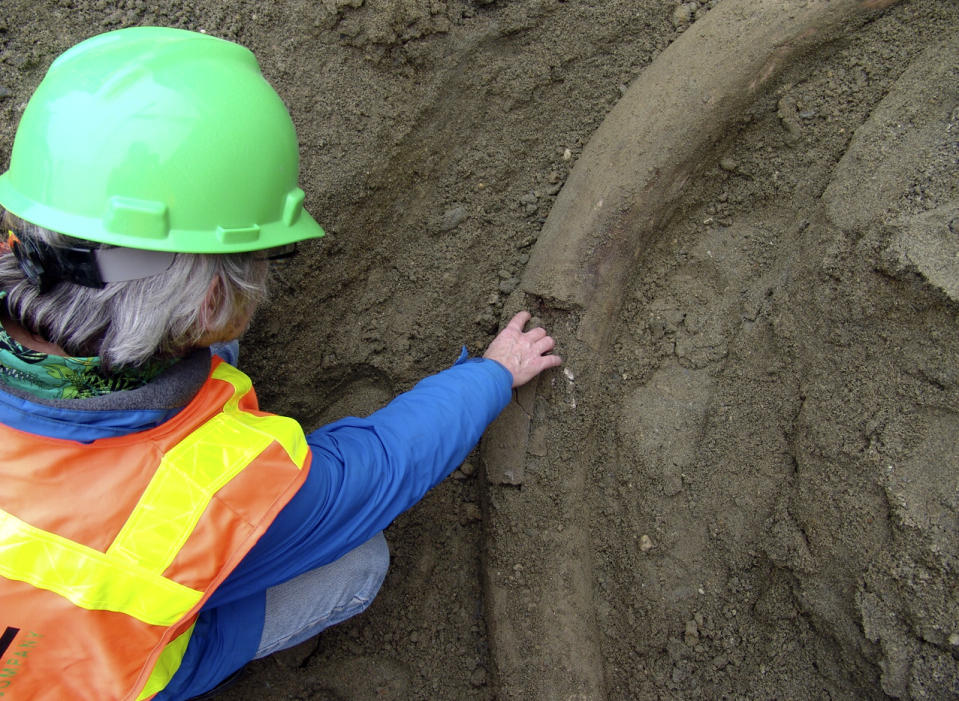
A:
[108,550]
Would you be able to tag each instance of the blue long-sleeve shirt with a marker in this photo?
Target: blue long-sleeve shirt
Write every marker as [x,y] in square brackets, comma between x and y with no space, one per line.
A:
[363,474]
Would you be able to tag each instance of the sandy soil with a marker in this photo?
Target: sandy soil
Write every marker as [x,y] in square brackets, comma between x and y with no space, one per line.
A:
[749,488]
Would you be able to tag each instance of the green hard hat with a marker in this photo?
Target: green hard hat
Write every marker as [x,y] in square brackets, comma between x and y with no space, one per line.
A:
[159,139]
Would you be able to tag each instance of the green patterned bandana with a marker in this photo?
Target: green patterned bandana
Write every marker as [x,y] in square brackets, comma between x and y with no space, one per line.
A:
[60,377]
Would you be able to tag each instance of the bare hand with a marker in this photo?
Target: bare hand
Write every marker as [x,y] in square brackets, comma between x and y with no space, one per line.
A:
[524,353]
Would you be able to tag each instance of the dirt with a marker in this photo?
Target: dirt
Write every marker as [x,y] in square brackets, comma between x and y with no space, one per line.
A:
[748,485]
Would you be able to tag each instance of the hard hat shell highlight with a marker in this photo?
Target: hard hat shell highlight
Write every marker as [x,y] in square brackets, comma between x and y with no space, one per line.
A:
[161,139]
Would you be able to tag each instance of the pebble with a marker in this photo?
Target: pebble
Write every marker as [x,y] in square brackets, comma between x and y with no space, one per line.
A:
[478,677]
[645,543]
[5,92]
[487,322]
[691,635]
[471,514]
[452,218]
[567,155]
[507,286]
[728,164]
[682,15]
[676,650]
[680,673]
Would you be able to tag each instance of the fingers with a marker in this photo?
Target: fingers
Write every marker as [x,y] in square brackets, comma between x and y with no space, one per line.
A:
[544,344]
[551,361]
[536,334]
[537,337]
[518,322]
[524,354]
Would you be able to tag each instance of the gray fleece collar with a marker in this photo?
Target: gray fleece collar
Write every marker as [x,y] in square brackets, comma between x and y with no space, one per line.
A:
[171,389]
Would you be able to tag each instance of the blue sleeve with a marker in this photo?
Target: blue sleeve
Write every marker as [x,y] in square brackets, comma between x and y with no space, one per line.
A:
[366,472]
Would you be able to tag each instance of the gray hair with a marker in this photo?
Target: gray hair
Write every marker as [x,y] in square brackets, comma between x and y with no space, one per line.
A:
[129,323]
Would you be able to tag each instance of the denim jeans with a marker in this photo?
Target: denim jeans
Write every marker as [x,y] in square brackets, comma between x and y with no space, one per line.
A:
[301,608]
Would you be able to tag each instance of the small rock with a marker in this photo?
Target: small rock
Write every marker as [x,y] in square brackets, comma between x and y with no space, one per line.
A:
[478,677]
[788,113]
[691,636]
[468,469]
[676,649]
[672,482]
[729,164]
[486,320]
[680,673]
[471,514]
[567,155]
[452,218]
[646,543]
[682,15]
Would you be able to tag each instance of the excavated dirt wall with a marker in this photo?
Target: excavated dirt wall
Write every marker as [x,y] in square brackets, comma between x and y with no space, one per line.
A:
[745,482]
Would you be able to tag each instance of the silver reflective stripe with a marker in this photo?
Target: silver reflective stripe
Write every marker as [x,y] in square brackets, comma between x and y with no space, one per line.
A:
[122,264]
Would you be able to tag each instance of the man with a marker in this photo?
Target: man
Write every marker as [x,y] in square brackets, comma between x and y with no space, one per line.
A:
[157,530]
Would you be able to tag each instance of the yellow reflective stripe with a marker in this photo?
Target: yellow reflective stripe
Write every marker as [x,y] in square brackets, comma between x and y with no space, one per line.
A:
[194,470]
[87,577]
[286,431]
[167,664]
[128,577]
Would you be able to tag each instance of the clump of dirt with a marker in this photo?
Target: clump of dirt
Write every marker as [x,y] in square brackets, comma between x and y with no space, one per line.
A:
[767,499]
